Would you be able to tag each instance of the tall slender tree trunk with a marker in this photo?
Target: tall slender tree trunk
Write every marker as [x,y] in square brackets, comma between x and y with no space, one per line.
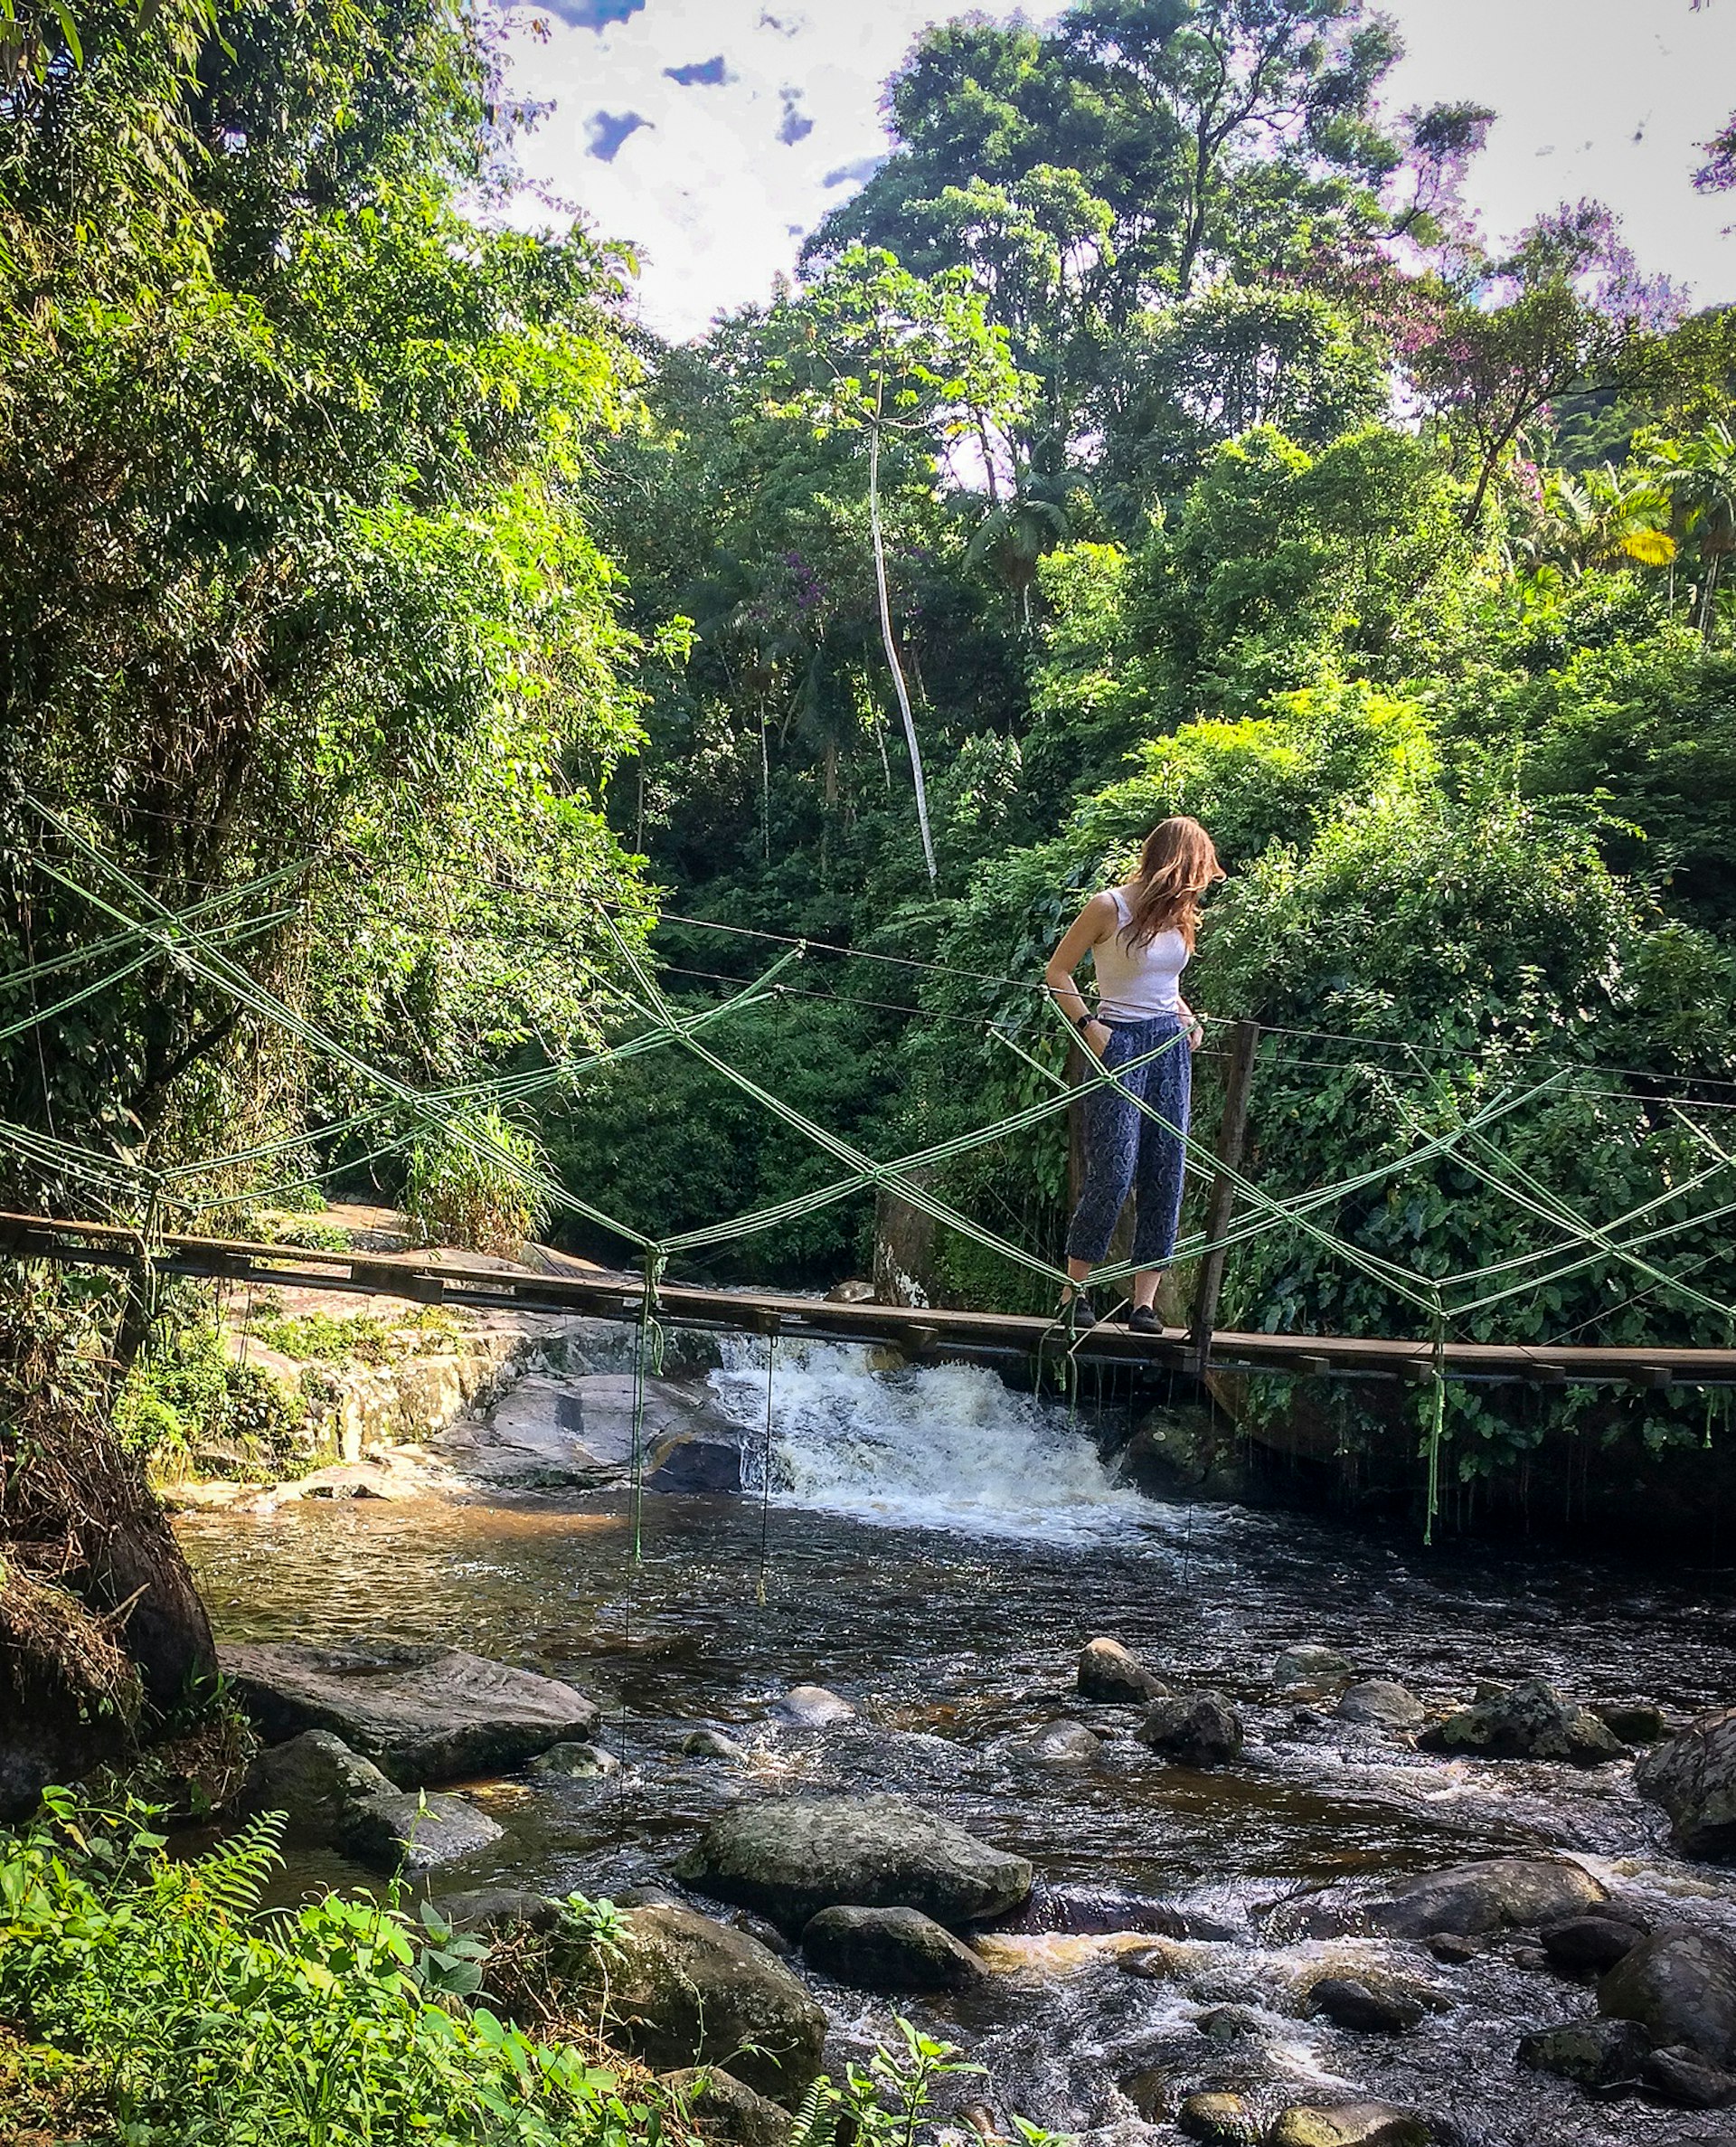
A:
[887,636]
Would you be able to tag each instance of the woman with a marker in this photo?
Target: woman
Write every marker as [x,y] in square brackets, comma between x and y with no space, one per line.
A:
[1140,937]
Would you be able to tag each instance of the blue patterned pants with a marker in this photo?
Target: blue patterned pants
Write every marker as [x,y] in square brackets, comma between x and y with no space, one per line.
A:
[1126,1151]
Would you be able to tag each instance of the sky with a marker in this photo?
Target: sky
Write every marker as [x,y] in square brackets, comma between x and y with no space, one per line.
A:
[713,134]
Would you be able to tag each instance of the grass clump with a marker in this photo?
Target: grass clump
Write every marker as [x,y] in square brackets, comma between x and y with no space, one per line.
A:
[357,1338]
[173,2007]
[189,1405]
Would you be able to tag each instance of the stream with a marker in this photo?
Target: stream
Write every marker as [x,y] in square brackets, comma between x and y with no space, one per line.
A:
[935,1549]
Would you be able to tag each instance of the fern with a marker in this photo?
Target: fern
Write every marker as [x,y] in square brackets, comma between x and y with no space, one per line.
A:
[233,1876]
[817,2119]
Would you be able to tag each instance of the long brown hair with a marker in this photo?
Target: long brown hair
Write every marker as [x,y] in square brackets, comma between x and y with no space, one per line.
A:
[1176,868]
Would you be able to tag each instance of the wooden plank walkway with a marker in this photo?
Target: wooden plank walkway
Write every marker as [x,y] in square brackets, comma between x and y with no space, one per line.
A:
[920,1333]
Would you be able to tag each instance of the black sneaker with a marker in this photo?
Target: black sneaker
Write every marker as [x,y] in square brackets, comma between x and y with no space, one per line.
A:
[1144,1320]
[1077,1312]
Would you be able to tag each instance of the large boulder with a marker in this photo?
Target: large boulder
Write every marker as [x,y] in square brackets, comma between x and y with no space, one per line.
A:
[1680,1986]
[1529,1720]
[423,1714]
[789,1857]
[1114,1675]
[684,1990]
[315,1781]
[577,1434]
[1201,1729]
[413,1833]
[1495,1893]
[1694,1776]
[889,1949]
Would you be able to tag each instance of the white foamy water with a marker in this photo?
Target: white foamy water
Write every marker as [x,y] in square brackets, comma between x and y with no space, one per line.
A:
[946,1446]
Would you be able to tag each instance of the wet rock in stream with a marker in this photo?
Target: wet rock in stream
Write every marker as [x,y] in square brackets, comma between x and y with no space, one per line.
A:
[1381,1704]
[581,1762]
[1220,2119]
[712,1744]
[1581,1945]
[728,2108]
[1064,1745]
[1368,2005]
[889,1950]
[583,1435]
[790,1856]
[315,1781]
[1308,1665]
[812,1707]
[1590,2053]
[1202,1730]
[1493,1894]
[1349,2124]
[1680,1986]
[1530,1720]
[1114,1675]
[685,1990]
[1693,1776]
[423,1714]
[415,1832]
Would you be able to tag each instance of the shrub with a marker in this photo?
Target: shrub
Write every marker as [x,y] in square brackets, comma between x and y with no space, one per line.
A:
[475,1186]
[189,1402]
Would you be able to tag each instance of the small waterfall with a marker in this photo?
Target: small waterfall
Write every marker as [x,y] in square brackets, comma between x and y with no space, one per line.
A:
[946,1446]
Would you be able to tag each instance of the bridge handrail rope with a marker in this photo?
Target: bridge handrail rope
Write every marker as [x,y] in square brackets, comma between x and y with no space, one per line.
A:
[197,939]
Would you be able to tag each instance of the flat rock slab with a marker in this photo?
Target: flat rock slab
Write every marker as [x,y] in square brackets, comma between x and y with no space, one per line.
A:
[577,1434]
[423,1713]
[413,1833]
[788,1858]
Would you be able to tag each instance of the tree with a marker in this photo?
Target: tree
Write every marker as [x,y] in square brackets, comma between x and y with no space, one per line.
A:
[868,350]
[297,576]
[1698,476]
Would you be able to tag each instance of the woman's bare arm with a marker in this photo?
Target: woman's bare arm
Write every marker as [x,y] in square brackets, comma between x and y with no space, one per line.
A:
[1090,928]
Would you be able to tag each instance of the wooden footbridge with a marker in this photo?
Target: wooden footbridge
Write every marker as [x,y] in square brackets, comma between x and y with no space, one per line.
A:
[918,1334]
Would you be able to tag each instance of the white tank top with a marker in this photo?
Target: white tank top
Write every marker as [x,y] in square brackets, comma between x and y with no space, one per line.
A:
[1137,983]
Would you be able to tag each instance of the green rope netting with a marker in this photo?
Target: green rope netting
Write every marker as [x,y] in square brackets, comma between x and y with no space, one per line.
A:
[199,940]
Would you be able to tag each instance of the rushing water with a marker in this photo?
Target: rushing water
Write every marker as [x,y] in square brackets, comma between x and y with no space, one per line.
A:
[937,1549]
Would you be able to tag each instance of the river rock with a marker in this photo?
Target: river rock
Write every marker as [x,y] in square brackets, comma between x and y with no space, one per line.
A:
[790,1856]
[685,1990]
[1202,1730]
[1683,2077]
[1634,1721]
[1229,2023]
[413,1833]
[728,2108]
[315,1781]
[1693,1776]
[1381,1704]
[712,1744]
[1064,1745]
[1582,1943]
[854,1292]
[1349,2124]
[889,1949]
[1494,1894]
[1221,2119]
[1680,1985]
[1114,1675]
[578,1434]
[423,1713]
[812,1707]
[1529,1720]
[1308,1663]
[1370,2007]
[1591,2053]
[583,1762]
[500,1910]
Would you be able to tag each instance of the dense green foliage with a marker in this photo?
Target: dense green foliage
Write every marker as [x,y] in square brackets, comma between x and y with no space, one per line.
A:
[1152,432]
[198,2018]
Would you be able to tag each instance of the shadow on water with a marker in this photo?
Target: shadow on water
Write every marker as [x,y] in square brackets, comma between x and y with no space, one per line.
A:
[936,1550]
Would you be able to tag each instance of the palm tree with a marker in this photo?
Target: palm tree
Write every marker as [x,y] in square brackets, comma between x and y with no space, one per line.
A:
[1698,476]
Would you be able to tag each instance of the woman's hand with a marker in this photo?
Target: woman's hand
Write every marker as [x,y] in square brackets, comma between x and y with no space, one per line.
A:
[1192,1027]
[1095,1035]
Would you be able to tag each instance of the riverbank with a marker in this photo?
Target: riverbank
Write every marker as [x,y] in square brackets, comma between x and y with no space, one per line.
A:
[936,1551]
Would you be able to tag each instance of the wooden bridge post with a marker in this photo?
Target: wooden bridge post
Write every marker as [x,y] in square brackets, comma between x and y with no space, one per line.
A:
[1244,1042]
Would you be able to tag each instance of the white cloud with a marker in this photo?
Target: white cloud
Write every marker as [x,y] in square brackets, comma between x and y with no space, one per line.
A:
[1597,96]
